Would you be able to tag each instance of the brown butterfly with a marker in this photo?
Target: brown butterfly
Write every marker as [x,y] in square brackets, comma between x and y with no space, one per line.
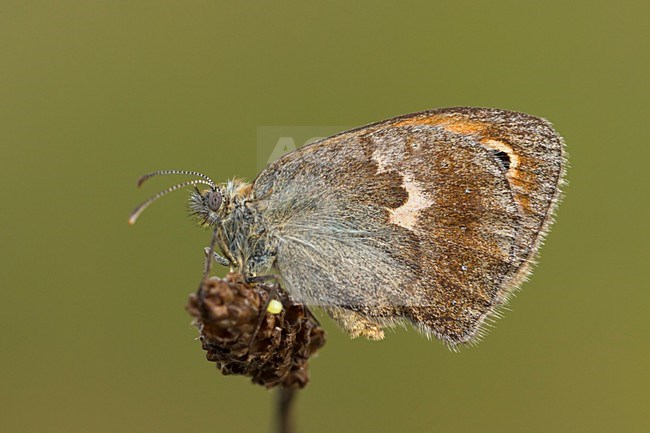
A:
[431,218]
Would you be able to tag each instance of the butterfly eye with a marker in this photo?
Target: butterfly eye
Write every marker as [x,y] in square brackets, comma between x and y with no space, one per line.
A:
[214,200]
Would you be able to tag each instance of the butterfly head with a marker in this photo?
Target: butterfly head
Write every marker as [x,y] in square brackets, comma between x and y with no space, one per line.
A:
[210,206]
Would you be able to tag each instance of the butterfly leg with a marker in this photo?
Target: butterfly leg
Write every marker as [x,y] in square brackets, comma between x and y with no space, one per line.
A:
[217,258]
[356,324]
[262,279]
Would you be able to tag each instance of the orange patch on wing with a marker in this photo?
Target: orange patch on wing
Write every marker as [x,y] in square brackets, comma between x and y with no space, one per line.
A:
[453,124]
[522,199]
[516,177]
[523,182]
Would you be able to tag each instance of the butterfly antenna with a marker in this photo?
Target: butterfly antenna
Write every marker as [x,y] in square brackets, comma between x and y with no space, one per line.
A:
[138,210]
[161,172]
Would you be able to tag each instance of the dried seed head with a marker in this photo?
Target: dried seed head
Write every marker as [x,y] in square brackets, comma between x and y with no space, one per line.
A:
[243,337]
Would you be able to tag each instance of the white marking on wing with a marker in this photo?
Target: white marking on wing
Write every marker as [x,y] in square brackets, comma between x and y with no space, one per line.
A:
[382,160]
[407,215]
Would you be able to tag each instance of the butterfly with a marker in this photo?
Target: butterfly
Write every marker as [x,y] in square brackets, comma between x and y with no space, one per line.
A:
[432,218]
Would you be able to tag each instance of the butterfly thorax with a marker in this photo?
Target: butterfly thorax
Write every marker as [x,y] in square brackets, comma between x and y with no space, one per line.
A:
[242,235]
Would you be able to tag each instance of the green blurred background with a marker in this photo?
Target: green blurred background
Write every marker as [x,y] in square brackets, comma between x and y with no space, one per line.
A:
[93,94]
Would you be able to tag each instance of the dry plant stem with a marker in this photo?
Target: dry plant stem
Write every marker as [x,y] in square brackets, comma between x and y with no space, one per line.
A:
[285,402]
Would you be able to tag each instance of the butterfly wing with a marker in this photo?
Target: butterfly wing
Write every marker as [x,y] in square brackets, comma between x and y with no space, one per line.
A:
[433,217]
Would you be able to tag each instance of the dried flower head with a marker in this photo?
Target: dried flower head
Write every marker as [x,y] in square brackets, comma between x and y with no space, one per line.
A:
[243,337]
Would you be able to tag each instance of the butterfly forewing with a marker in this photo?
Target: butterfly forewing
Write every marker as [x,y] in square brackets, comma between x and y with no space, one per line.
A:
[433,217]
